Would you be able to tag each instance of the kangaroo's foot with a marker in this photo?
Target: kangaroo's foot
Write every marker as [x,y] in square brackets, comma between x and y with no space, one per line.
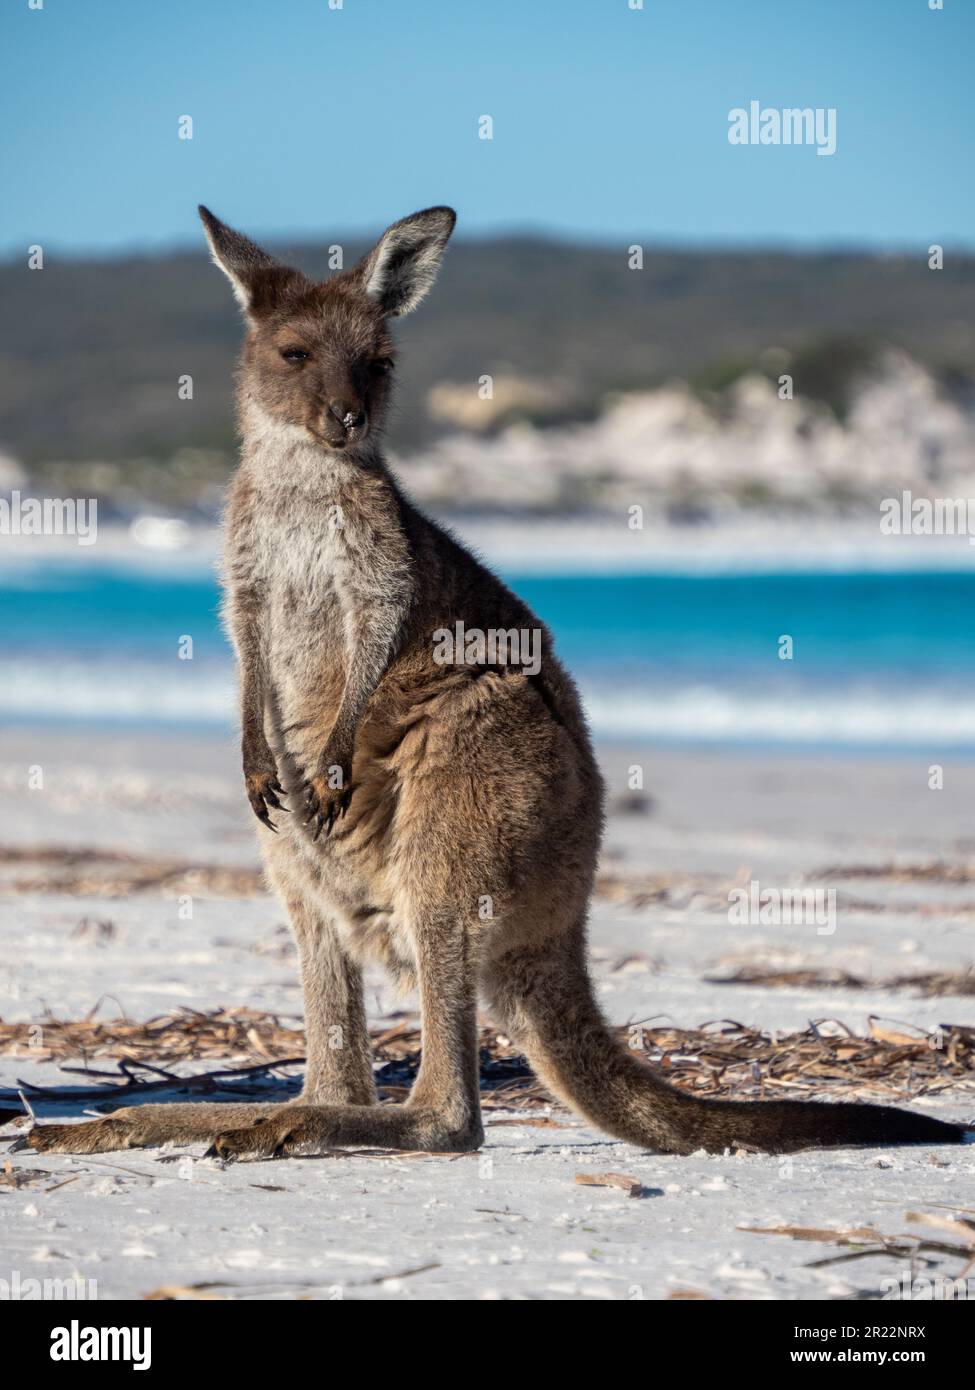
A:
[260,1131]
[315,1129]
[146,1127]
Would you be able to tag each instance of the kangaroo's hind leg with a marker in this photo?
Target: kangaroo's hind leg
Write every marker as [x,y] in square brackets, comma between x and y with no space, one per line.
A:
[443,1111]
[338,1069]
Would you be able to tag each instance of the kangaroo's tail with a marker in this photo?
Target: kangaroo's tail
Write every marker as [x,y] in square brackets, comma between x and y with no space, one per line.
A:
[545,1002]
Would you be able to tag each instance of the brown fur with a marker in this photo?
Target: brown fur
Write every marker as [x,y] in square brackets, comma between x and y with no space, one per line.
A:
[444,819]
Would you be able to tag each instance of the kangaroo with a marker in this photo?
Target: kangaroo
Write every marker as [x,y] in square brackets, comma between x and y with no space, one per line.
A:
[441,816]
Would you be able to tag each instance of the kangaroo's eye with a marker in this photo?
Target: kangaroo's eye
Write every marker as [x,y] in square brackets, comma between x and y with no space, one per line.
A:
[382,365]
[294,354]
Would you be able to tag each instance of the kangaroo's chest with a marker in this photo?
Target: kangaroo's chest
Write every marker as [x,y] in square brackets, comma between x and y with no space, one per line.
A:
[304,562]
[305,626]
[306,551]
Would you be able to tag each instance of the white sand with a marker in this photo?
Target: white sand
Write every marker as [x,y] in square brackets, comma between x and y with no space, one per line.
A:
[511,1222]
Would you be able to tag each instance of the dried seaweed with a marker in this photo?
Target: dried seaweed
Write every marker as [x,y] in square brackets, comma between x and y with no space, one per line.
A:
[862,1242]
[631,1186]
[935,871]
[942,983]
[105,873]
[719,1059]
[21,1177]
[94,872]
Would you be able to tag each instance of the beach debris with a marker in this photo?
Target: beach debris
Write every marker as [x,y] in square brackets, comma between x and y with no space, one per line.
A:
[932,983]
[721,1058]
[97,872]
[934,871]
[634,964]
[22,1177]
[102,929]
[300,1289]
[105,873]
[631,1186]
[534,1122]
[631,804]
[865,1241]
[855,1235]
[177,1293]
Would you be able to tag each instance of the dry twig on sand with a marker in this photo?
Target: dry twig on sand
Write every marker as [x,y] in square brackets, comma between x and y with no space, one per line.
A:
[719,1059]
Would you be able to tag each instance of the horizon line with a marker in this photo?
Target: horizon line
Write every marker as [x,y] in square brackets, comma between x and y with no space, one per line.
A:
[825,246]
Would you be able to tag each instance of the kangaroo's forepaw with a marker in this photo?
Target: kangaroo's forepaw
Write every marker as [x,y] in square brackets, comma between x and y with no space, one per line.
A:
[90,1137]
[324,804]
[263,790]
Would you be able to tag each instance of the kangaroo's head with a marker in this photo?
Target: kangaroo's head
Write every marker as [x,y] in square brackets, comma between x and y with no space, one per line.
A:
[318,357]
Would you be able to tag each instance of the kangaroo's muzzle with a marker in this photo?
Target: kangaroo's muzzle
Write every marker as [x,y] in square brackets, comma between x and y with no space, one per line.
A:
[344,424]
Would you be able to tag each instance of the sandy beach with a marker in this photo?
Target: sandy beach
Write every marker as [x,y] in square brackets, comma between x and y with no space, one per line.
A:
[129,887]
[617,385]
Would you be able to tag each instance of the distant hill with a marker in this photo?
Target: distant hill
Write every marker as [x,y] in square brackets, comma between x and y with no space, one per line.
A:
[90,351]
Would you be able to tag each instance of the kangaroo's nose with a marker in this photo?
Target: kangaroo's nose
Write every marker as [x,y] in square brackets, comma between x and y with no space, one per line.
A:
[348,415]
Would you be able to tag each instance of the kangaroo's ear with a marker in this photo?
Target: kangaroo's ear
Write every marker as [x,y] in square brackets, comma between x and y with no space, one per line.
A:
[255,276]
[403,264]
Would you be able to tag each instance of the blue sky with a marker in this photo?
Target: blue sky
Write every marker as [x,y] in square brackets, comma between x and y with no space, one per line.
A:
[609,123]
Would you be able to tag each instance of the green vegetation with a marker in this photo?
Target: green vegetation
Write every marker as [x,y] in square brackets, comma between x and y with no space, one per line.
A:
[91,352]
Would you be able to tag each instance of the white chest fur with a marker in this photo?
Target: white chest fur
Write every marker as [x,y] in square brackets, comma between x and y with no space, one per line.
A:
[299,525]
